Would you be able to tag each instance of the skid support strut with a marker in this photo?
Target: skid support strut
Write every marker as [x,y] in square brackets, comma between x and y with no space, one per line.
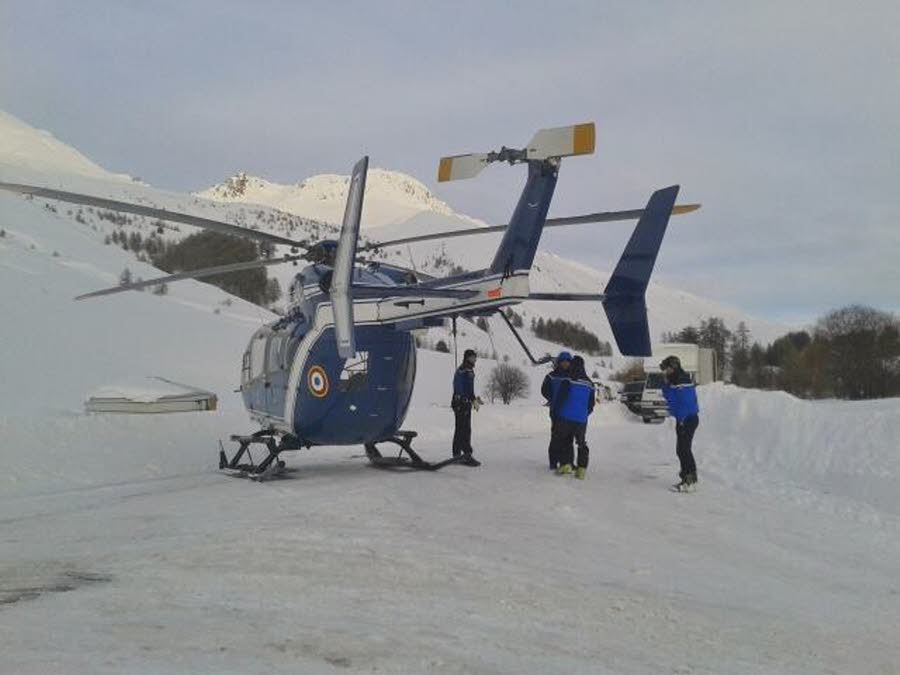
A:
[412,460]
[270,465]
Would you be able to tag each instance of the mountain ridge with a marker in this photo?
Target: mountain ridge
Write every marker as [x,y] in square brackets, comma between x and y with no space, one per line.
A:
[396,205]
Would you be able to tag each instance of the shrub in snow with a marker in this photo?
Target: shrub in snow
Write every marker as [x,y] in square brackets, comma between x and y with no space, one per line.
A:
[441,346]
[507,383]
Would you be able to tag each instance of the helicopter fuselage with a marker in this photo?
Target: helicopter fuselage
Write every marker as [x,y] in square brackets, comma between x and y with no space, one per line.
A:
[293,380]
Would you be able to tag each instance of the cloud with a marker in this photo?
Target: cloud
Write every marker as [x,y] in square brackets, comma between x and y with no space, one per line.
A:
[782,118]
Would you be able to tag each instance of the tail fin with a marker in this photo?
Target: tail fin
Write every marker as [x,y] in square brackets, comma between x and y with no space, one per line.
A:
[624,303]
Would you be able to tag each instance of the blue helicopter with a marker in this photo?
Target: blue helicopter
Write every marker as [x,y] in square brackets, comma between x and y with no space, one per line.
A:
[338,368]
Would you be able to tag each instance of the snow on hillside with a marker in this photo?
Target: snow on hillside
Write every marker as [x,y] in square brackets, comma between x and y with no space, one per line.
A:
[396,205]
[122,549]
[391,197]
[26,147]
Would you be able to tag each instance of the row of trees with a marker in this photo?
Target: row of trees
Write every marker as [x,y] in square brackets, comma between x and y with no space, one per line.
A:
[572,335]
[851,353]
[207,249]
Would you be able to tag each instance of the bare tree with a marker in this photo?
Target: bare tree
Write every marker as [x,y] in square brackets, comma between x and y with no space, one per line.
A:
[507,382]
[863,351]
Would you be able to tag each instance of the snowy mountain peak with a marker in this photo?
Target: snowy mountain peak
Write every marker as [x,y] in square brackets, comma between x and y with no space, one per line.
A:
[24,146]
[391,196]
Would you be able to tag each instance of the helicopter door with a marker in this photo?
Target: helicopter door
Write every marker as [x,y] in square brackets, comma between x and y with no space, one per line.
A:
[276,374]
[386,364]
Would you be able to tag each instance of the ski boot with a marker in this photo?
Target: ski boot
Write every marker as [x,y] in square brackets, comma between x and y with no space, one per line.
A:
[688,484]
[468,460]
[564,470]
[580,472]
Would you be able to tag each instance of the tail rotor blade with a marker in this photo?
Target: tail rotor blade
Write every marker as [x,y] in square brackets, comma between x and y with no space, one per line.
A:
[459,167]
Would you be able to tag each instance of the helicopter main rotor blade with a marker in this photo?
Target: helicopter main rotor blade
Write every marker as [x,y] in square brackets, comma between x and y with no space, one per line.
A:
[601,217]
[342,275]
[192,274]
[150,212]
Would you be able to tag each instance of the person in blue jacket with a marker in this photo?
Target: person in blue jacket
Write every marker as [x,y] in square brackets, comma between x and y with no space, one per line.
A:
[560,372]
[681,397]
[463,399]
[573,400]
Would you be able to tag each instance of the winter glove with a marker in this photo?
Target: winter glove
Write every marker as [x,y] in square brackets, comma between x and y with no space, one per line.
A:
[477,403]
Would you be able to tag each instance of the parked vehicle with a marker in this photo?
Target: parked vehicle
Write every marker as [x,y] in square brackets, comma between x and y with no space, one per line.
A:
[630,394]
[653,406]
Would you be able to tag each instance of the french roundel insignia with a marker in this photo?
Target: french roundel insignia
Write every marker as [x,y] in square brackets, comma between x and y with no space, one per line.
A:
[317,381]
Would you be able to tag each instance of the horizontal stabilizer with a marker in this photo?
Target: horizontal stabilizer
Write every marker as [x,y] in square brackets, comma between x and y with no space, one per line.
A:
[577,139]
[625,303]
[459,167]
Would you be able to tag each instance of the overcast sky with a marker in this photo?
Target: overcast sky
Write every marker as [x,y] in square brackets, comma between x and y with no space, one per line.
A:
[782,118]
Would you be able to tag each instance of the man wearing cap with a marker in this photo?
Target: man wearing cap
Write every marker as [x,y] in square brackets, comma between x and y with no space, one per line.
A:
[550,386]
[681,397]
[463,399]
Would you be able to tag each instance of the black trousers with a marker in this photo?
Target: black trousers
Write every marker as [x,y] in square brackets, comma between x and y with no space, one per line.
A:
[551,448]
[564,434]
[462,434]
[684,437]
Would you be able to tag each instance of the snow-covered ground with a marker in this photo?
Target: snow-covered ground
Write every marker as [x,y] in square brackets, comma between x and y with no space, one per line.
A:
[123,549]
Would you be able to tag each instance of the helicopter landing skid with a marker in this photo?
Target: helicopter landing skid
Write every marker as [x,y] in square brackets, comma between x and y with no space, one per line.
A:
[269,467]
[412,460]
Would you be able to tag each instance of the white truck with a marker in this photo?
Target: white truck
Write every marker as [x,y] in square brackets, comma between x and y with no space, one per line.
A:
[698,362]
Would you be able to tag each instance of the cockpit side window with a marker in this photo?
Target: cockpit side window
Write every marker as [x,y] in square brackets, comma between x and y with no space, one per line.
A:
[257,356]
[296,289]
[245,368]
[275,360]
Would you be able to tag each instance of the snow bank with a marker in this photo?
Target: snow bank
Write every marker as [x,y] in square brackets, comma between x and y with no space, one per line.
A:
[774,442]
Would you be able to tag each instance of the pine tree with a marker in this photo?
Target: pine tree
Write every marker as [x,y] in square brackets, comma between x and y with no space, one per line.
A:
[740,354]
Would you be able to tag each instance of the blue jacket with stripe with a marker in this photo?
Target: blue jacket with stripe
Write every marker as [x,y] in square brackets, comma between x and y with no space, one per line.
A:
[681,396]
